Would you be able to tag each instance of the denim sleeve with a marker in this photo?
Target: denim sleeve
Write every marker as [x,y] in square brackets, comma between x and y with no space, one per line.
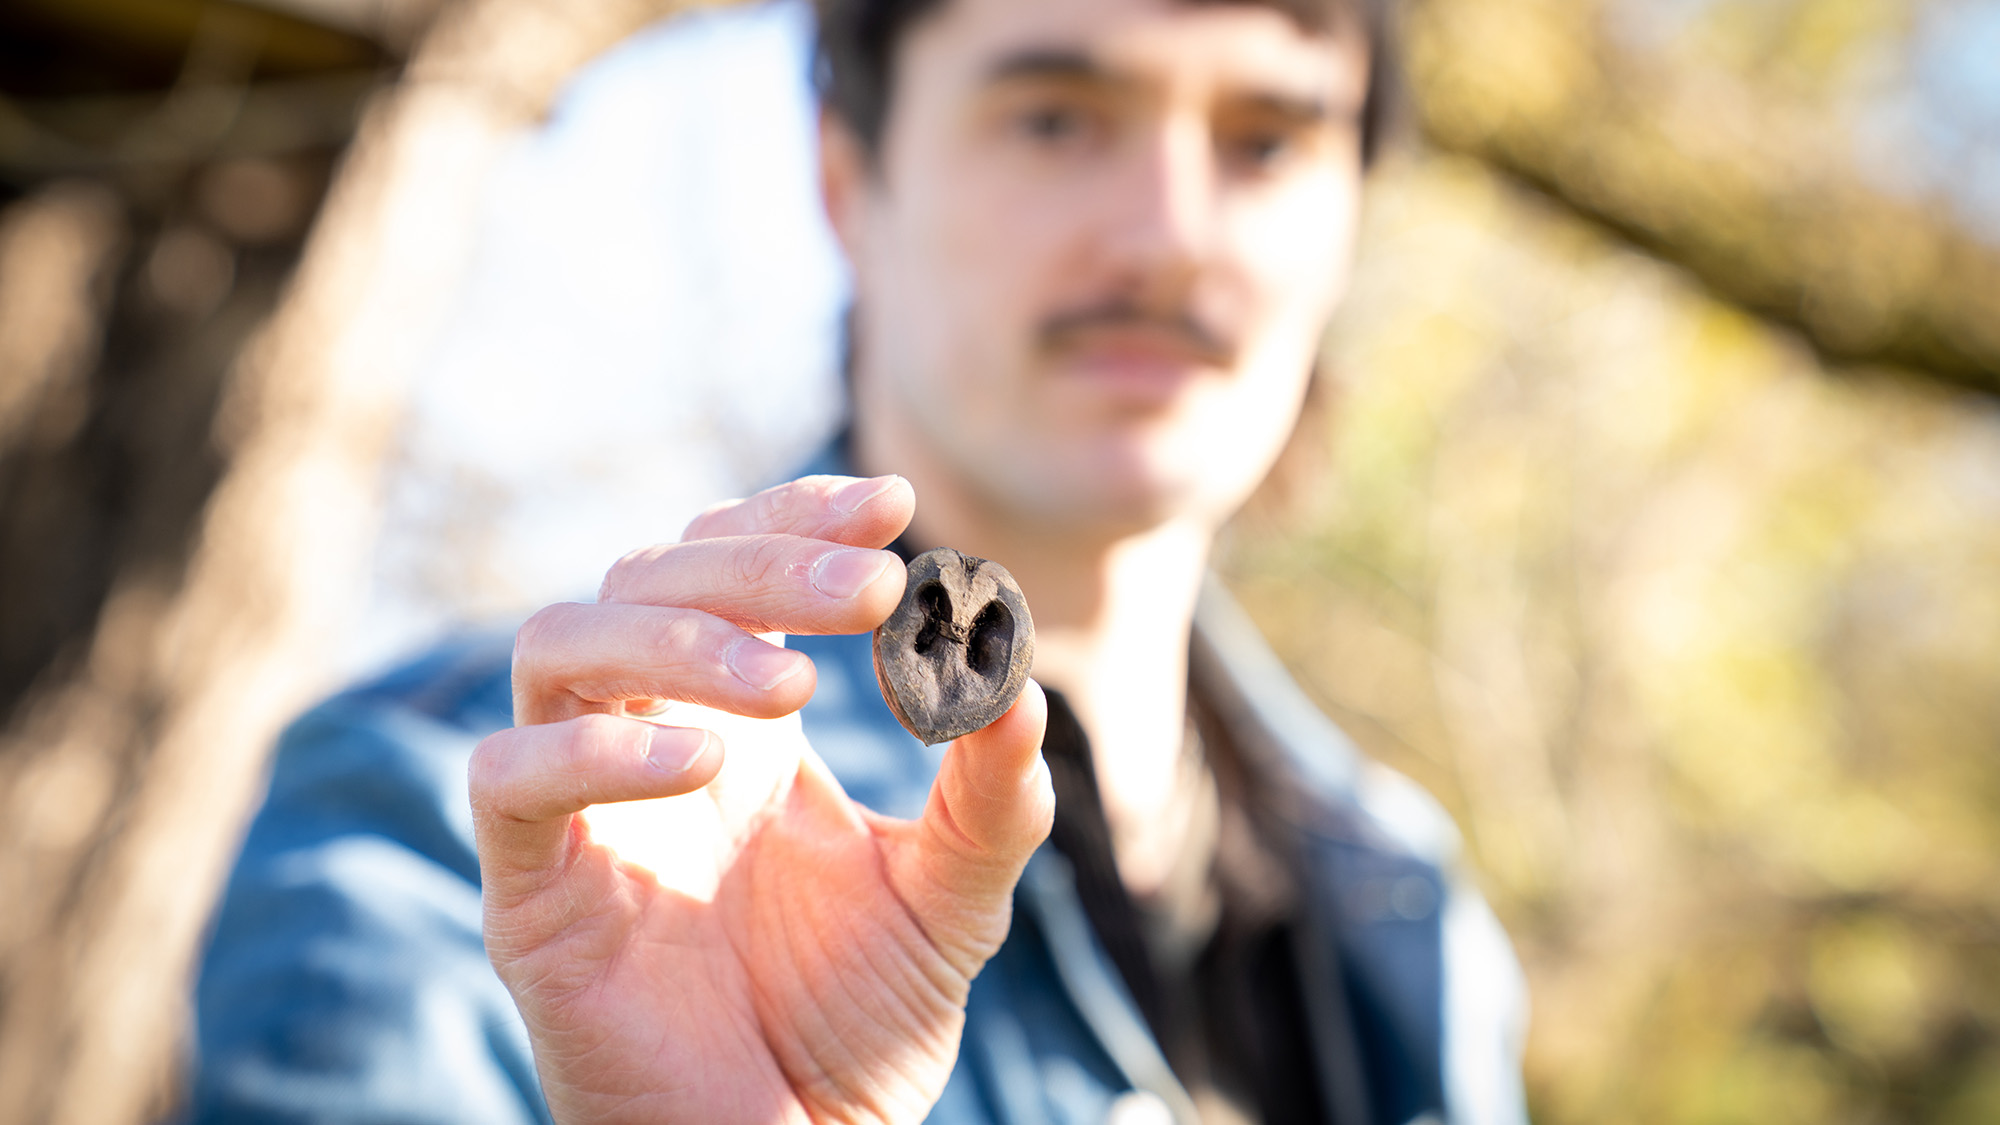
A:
[346,980]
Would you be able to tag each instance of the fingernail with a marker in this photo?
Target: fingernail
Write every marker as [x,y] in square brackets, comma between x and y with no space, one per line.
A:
[843,574]
[676,750]
[762,666]
[850,498]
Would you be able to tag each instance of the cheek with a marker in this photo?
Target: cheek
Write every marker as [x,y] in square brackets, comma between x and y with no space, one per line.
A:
[1292,260]
[943,315]
[1295,252]
[962,251]
[981,260]
[919,290]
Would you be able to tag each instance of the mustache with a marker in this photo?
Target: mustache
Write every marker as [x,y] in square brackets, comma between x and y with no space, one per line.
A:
[1201,340]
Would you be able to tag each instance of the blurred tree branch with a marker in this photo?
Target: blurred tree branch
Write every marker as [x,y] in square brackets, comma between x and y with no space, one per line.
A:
[1757,196]
[260,120]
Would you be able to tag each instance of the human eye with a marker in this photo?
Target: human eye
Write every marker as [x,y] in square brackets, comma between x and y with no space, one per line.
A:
[1272,138]
[1260,150]
[1049,122]
[1054,120]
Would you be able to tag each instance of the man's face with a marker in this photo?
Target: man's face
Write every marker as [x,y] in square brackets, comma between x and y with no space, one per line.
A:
[1094,260]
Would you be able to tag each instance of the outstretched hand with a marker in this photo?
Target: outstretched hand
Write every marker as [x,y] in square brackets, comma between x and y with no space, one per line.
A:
[747,944]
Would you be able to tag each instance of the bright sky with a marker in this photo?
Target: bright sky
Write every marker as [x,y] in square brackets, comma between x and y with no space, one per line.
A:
[649,326]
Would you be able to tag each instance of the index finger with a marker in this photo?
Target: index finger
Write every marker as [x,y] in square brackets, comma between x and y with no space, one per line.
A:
[856,511]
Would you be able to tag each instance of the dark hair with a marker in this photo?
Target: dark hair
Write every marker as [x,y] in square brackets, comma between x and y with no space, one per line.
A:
[855,57]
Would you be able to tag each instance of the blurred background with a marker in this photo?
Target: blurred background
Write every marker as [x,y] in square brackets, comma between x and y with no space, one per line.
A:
[1654,525]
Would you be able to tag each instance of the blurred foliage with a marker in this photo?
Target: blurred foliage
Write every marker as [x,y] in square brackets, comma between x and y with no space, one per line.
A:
[1698,641]
[1819,162]
[1696,636]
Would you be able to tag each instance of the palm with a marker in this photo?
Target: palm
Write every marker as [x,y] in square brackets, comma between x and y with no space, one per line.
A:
[761,895]
[760,948]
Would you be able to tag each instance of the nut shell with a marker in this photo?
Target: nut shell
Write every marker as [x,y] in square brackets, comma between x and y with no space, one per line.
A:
[956,653]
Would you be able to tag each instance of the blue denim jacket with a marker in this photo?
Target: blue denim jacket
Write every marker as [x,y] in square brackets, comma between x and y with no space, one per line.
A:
[346,980]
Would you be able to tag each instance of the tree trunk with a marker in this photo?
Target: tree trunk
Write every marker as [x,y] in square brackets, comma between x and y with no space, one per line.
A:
[131,777]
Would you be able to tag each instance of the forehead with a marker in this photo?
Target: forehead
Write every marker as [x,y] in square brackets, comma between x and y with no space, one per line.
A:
[970,44]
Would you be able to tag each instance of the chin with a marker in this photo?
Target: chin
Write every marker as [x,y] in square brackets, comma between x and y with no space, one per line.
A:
[1129,491]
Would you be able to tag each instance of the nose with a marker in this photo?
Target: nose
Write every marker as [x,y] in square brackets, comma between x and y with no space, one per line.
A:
[1165,223]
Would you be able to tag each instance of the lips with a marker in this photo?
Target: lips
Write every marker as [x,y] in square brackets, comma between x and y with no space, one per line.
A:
[1143,344]
[1135,369]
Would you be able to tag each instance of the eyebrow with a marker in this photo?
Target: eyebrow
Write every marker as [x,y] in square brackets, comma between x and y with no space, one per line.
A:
[1076,65]
[1302,109]
[1049,62]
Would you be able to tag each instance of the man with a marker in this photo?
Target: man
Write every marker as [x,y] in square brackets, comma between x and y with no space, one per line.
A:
[1094,245]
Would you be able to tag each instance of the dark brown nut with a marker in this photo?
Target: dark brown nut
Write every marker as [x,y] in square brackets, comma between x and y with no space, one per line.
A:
[956,653]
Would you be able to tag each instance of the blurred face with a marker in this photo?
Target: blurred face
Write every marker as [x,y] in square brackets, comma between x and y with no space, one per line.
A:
[1095,256]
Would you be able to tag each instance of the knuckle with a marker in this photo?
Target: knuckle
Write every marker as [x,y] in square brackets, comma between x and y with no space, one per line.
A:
[796,501]
[698,527]
[577,749]
[625,576]
[786,506]
[489,770]
[673,637]
[531,638]
[772,505]
[759,562]
[605,738]
[546,629]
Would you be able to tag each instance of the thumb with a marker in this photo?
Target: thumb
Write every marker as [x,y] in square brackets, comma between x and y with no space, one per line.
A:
[990,808]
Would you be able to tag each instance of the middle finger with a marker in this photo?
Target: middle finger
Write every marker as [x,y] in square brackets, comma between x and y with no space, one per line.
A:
[572,659]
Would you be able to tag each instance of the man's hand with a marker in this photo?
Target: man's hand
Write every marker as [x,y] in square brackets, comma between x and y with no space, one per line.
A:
[760,949]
